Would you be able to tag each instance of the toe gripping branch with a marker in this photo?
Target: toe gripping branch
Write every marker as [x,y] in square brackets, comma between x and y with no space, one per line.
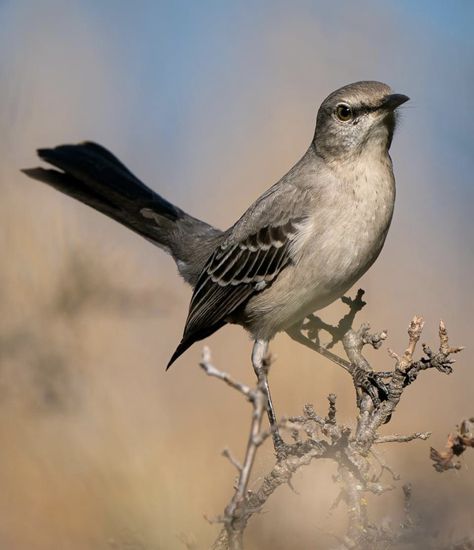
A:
[378,392]
[359,467]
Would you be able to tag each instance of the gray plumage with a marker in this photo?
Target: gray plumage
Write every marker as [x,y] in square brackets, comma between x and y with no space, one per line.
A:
[300,246]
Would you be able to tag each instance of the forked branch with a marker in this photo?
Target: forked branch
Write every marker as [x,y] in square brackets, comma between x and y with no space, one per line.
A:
[360,469]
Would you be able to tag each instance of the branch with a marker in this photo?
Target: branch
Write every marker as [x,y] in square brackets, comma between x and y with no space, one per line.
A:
[385,396]
[456,444]
[399,438]
[378,395]
[227,454]
[210,370]
[235,514]
[314,436]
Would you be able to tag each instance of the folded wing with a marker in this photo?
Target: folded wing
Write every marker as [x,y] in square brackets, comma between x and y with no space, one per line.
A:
[238,269]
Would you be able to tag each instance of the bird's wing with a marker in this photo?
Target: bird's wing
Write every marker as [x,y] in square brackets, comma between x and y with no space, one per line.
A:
[257,248]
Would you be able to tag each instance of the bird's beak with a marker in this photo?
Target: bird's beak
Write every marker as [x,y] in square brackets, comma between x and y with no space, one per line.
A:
[392,101]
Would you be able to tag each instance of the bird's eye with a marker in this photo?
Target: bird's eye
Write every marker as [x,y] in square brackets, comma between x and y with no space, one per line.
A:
[344,112]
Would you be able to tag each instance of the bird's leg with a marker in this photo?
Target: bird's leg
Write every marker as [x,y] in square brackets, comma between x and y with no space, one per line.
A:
[259,353]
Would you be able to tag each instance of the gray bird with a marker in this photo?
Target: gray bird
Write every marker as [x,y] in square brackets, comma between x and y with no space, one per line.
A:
[300,246]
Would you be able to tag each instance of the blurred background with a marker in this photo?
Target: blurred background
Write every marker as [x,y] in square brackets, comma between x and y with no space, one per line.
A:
[210,103]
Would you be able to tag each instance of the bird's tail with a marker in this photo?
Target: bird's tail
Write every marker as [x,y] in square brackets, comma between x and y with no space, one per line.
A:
[91,174]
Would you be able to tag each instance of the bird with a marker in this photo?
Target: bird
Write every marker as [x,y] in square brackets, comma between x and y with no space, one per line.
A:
[299,247]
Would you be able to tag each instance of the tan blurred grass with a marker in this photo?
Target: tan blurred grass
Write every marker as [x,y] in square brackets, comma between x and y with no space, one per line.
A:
[98,447]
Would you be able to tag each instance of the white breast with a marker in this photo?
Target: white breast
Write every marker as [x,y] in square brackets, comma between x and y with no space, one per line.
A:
[335,246]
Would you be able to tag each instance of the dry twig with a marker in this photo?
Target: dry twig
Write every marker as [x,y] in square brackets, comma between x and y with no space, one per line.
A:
[378,394]
[456,444]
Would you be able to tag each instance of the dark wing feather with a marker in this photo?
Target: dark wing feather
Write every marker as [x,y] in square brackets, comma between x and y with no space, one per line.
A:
[233,273]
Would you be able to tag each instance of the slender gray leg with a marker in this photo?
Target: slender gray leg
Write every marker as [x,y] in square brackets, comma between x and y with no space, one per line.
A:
[259,353]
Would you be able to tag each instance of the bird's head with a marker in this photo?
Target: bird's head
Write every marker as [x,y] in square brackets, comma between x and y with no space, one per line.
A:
[355,119]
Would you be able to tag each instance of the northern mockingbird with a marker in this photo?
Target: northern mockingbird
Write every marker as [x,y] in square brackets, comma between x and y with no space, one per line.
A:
[300,246]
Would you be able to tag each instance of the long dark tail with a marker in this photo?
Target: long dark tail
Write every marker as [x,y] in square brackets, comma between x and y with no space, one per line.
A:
[91,174]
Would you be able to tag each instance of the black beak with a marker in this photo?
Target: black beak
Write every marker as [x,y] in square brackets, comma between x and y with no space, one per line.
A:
[392,101]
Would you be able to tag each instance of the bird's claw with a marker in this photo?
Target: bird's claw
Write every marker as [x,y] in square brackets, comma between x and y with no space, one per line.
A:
[371,383]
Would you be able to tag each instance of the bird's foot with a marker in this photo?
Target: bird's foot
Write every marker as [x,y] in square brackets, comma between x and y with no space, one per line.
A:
[278,444]
[370,383]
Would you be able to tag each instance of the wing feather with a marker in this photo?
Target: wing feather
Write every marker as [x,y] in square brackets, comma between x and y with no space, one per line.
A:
[233,272]
[256,250]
